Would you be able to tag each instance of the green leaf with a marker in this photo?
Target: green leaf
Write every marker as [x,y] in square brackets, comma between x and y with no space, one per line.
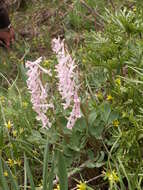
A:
[45,166]
[13,181]
[92,117]
[1,137]
[113,116]
[35,137]
[29,174]
[105,111]
[80,125]
[125,173]
[2,178]
[97,129]
[89,188]
[51,175]
[62,172]
[97,162]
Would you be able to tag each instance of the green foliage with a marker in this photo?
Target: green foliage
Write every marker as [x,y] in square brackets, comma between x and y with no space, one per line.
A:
[62,173]
[106,142]
[116,52]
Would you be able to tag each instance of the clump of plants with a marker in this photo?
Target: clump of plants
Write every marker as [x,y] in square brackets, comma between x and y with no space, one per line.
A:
[73,119]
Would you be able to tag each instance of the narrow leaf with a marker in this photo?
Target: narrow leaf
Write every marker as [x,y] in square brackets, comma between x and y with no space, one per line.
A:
[29,174]
[45,166]
[13,181]
[2,178]
[62,173]
[51,175]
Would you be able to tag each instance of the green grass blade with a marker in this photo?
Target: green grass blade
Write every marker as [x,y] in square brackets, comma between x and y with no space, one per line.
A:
[13,181]
[2,178]
[29,174]
[62,173]
[126,175]
[45,166]
[120,177]
[51,175]
[25,175]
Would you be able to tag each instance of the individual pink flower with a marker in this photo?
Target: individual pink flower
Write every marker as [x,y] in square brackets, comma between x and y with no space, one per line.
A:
[66,76]
[38,91]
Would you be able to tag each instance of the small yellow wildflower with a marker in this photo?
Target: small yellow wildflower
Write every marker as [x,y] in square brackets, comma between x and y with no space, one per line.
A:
[10,162]
[118,81]
[9,125]
[40,184]
[81,186]
[99,96]
[2,99]
[84,61]
[20,61]
[46,62]
[10,145]
[116,123]
[57,188]
[109,97]
[14,133]
[18,162]
[5,173]
[15,162]
[35,152]
[24,104]
[134,9]
[21,130]
[112,176]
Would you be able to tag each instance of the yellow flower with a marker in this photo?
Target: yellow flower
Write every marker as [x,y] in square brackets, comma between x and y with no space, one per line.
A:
[81,186]
[2,99]
[57,188]
[46,63]
[124,114]
[134,9]
[14,133]
[40,185]
[24,104]
[109,97]
[9,125]
[118,81]
[35,152]
[10,145]
[18,162]
[15,162]
[21,130]
[5,173]
[20,61]
[10,162]
[99,96]
[112,176]
[116,123]
[84,61]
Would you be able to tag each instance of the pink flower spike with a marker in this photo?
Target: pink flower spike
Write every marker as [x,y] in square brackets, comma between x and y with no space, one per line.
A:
[38,91]
[66,75]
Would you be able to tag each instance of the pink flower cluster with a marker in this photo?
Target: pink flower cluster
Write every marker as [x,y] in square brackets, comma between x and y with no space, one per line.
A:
[67,86]
[37,90]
